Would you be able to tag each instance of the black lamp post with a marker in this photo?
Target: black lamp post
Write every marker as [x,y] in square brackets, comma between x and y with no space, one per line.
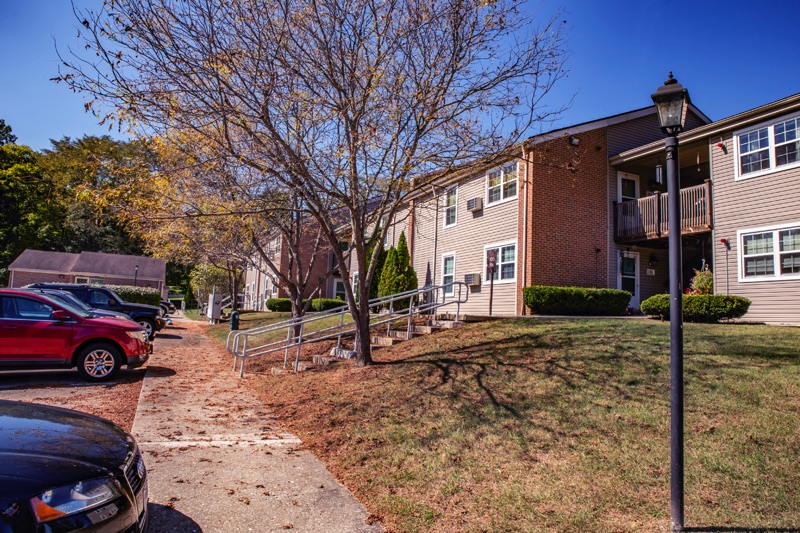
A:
[135,274]
[672,102]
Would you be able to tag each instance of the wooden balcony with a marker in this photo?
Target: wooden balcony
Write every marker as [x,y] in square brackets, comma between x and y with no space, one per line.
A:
[647,218]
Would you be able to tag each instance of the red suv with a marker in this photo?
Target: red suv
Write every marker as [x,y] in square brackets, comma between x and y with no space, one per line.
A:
[39,332]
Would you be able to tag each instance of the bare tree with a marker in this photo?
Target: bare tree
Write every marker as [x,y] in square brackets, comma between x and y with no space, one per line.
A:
[341,102]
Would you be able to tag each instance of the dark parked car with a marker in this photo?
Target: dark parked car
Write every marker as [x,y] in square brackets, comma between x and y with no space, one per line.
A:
[72,299]
[167,307]
[37,331]
[148,316]
[61,471]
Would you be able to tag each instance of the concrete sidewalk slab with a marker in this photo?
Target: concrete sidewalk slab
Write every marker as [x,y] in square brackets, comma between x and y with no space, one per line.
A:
[216,458]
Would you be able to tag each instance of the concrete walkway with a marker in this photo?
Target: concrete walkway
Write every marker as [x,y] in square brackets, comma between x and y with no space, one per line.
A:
[217,461]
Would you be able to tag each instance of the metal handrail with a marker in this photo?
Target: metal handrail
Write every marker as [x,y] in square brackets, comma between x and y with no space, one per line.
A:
[423,300]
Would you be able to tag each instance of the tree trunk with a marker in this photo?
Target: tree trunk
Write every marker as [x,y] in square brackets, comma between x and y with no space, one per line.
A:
[363,345]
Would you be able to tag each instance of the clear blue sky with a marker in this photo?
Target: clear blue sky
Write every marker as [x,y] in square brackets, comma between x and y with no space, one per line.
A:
[732,56]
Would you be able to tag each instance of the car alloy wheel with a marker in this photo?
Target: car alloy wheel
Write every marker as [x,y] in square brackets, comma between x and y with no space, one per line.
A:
[98,363]
[148,328]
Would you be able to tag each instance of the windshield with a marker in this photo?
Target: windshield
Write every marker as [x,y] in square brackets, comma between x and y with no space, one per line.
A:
[65,305]
[70,299]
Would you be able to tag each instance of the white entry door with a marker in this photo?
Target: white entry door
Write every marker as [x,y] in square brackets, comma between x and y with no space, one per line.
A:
[628,276]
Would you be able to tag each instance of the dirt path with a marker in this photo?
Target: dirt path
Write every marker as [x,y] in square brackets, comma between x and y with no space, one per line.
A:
[217,459]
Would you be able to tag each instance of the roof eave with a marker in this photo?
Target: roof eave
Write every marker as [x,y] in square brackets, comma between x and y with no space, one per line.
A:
[740,120]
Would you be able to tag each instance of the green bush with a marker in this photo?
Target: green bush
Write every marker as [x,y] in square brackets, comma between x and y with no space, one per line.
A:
[547,300]
[323,304]
[699,307]
[702,282]
[137,295]
[279,305]
[284,305]
[657,305]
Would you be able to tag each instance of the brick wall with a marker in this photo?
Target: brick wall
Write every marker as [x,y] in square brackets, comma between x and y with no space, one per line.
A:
[25,277]
[567,212]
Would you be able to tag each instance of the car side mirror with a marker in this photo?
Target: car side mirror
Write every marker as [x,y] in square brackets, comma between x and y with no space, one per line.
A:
[60,315]
[112,302]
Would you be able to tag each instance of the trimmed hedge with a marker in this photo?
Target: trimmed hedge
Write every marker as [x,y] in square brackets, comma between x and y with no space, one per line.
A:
[137,295]
[699,307]
[547,300]
[323,304]
[279,305]
[284,305]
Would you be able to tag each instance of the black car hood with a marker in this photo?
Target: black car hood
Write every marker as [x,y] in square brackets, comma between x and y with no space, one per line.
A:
[108,314]
[142,308]
[43,447]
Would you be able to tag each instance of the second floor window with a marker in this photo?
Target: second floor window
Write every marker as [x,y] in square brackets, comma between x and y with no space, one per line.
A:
[501,184]
[450,202]
[768,148]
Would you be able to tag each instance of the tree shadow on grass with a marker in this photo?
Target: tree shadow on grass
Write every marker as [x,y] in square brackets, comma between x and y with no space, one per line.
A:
[612,361]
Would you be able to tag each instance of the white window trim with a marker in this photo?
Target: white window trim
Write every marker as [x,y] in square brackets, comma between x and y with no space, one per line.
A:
[498,281]
[337,279]
[486,185]
[454,207]
[453,255]
[776,253]
[770,125]
[632,177]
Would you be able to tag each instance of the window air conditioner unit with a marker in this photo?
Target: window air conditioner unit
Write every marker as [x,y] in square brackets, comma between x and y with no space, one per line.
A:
[474,204]
[472,279]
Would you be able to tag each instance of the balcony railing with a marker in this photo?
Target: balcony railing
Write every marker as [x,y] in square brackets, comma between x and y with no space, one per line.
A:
[647,218]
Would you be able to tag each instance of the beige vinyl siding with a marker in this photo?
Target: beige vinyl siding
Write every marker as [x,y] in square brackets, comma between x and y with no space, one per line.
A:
[633,133]
[764,201]
[640,131]
[658,283]
[467,238]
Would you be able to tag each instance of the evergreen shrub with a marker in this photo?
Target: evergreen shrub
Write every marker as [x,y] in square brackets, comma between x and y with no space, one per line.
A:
[548,300]
[699,307]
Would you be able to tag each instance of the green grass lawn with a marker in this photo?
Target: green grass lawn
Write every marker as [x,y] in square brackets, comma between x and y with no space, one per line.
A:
[558,425]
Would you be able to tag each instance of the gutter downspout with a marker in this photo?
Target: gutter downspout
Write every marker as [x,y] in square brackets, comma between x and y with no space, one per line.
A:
[435,234]
[11,281]
[524,230]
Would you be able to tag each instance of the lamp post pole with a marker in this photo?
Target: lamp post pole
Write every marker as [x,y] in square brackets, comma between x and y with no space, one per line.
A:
[135,275]
[672,102]
[675,335]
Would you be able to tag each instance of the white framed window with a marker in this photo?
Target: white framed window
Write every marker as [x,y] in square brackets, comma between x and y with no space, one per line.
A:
[79,279]
[450,205]
[768,254]
[506,271]
[767,147]
[448,272]
[338,289]
[501,184]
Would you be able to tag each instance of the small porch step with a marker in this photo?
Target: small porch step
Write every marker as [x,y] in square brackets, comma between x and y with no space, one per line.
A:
[342,353]
[424,330]
[443,323]
[382,340]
